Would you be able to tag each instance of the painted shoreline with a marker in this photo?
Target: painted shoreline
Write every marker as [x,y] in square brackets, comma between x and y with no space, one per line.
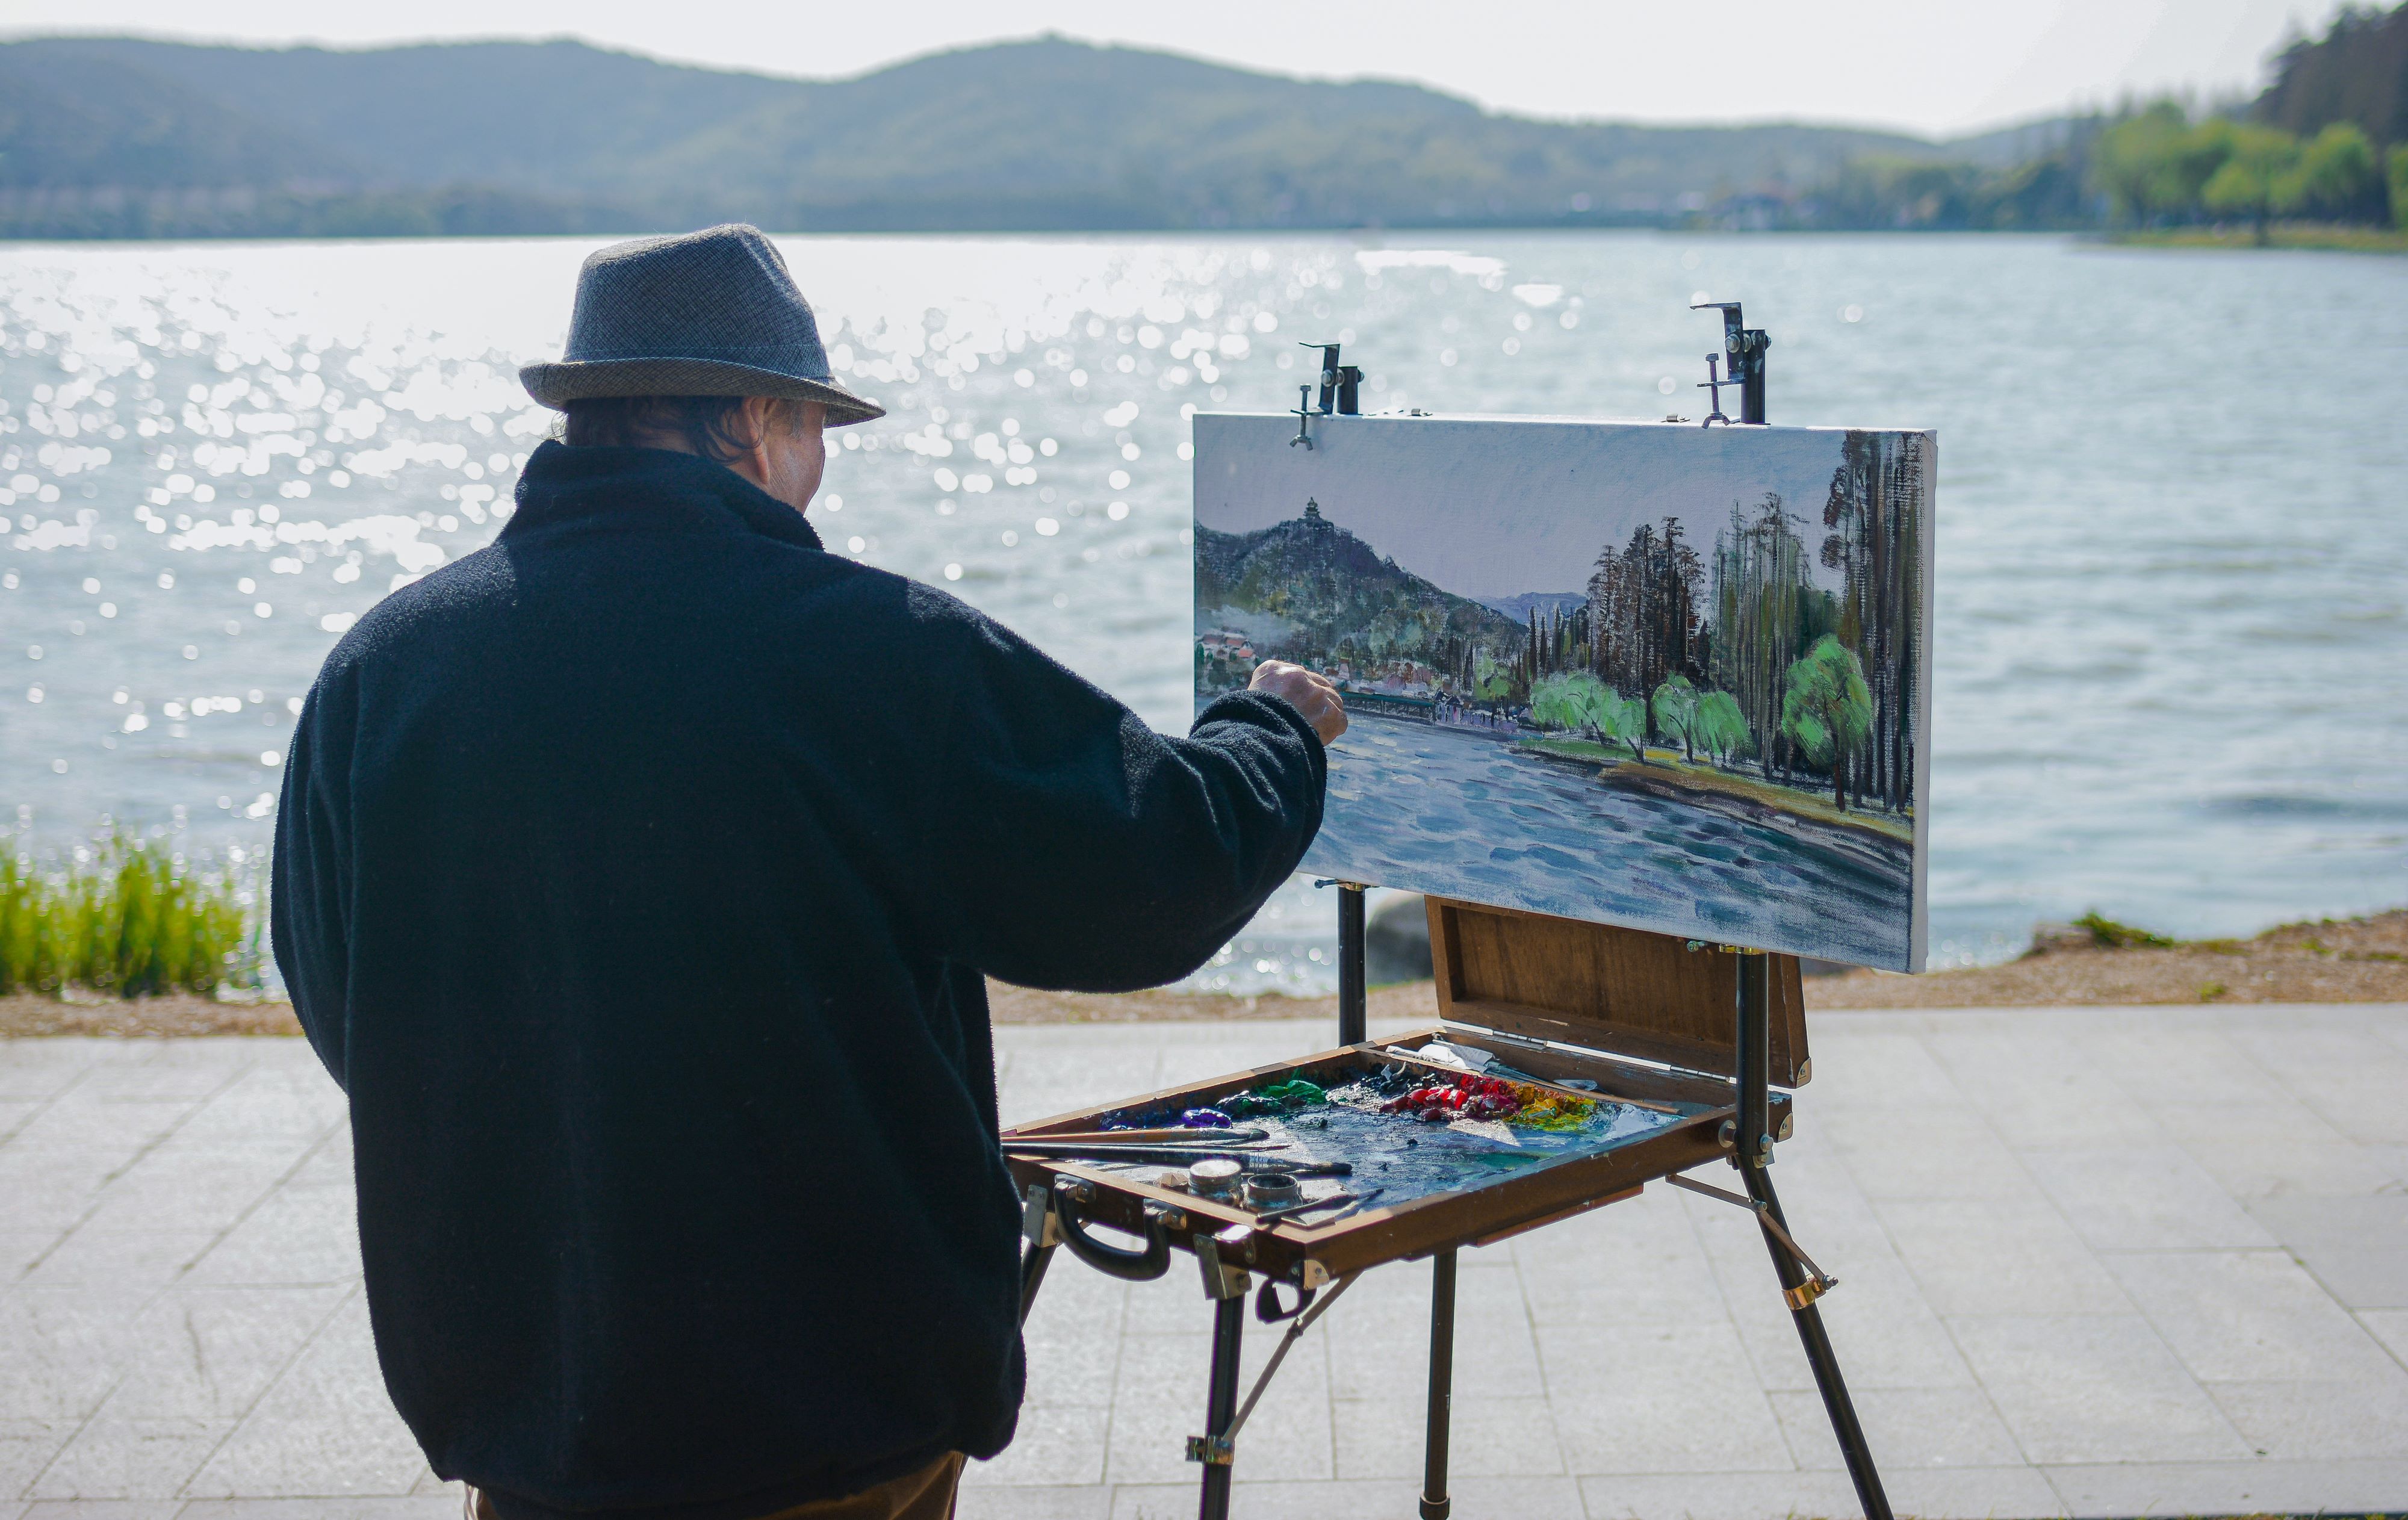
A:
[1423,807]
[1732,795]
[1734,798]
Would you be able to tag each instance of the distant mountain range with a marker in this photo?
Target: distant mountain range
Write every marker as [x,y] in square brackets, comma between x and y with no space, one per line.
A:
[112,137]
[1541,602]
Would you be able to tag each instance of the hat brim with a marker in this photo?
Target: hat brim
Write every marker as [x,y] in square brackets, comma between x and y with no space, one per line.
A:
[555,385]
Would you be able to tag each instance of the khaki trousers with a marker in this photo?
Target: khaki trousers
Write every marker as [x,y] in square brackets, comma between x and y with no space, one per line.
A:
[926,1494]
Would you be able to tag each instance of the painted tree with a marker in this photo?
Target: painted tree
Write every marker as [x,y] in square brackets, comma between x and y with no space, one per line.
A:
[1721,728]
[1826,710]
[1761,598]
[1674,709]
[1620,719]
[1491,679]
[1874,517]
[1643,618]
[1567,699]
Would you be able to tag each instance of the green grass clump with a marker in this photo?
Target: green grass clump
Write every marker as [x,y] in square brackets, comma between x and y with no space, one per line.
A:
[28,960]
[2111,935]
[127,920]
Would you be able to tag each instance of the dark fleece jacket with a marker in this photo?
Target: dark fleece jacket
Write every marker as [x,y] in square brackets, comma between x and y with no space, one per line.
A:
[637,877]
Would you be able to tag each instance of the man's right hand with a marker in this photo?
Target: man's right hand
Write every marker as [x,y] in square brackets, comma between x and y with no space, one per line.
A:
[1309,693]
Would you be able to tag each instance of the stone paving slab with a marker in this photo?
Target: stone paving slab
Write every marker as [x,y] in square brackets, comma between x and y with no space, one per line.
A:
[2095,1262]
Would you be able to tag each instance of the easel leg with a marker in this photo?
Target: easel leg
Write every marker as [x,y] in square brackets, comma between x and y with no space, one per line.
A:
[1434,1503]
[1836,1402]
[1033,1263]
[1220,1403]
[1351,1023]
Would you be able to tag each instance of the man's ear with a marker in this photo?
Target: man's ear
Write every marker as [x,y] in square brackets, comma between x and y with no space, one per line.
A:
[752,460]
[760,419]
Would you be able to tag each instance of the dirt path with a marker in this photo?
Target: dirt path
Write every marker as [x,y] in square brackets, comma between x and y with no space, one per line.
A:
[2349,961]
[2362,960]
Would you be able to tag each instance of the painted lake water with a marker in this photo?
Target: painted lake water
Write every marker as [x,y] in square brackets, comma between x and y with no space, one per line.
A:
[1463,814]
[2169,632]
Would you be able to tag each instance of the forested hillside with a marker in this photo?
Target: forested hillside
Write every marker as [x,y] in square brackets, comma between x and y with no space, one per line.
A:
[2356,72]
[118,138]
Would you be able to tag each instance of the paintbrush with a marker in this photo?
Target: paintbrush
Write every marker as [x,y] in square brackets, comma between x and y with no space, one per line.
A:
[1170,1156]
[1183,1153]
[1147,1136]
[1353,1201]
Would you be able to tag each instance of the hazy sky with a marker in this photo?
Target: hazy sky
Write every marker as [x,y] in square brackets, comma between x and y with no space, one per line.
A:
[1491,509]
[1934,67]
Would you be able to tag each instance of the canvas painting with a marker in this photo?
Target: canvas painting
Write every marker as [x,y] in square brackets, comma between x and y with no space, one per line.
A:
[1655,675]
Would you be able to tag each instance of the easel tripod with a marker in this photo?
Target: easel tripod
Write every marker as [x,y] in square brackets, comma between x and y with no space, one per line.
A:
[1702,1034]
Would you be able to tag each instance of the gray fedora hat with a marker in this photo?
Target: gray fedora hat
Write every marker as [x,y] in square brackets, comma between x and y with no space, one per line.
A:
[703,313]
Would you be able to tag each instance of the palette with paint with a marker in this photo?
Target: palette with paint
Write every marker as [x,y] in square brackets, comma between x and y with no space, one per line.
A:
[1558,1079]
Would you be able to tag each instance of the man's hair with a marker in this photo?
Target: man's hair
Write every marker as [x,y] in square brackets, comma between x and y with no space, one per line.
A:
[709,425]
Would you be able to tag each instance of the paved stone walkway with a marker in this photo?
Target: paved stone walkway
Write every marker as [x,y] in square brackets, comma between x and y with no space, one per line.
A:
[2095,1262]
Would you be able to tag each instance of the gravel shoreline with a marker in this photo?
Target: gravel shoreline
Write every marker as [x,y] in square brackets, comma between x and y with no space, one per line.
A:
[2362,960]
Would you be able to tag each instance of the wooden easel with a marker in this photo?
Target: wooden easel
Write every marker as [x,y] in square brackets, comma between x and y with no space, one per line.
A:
[1534,990]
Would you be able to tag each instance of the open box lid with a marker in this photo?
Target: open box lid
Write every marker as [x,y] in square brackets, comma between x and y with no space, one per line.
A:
[1620,991]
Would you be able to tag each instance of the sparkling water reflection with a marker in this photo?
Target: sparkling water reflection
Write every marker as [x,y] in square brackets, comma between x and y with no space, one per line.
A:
[2172,649]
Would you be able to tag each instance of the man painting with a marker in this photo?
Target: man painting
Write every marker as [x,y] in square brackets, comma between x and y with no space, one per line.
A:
[639,875]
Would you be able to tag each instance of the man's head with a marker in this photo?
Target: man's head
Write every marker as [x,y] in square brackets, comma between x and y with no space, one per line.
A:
[776,442]
[700,343]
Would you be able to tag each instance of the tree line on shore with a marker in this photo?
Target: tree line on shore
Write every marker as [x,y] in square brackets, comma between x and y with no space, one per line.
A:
[2327,141]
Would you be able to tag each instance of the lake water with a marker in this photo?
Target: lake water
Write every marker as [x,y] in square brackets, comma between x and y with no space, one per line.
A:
[2170,630]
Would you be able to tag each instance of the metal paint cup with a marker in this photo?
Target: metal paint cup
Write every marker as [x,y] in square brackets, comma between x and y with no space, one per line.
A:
[1214,1179]
[1273,1189]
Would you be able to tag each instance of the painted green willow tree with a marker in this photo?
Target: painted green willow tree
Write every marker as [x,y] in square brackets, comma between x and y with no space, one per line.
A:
[1721,728]
[1578,702]
[1827,710]
[1674,709]
[1565,700]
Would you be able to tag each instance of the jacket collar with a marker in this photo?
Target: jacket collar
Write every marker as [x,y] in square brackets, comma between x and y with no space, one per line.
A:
[561,484]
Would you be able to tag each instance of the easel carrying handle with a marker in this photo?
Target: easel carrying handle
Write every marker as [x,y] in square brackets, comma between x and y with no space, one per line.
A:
[1140,1266]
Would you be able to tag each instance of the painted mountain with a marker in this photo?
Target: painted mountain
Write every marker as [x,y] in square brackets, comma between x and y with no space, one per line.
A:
[1308,591]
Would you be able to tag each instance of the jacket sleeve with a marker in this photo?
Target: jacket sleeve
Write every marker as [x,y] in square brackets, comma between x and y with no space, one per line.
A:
[309,894]
[1073,846]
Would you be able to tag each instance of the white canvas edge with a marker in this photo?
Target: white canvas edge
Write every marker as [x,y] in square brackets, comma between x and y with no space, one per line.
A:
[1546,419]
[1918,947]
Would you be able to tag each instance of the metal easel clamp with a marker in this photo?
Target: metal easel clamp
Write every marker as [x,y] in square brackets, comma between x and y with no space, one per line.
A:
[1267,1303]
[1818,1282]
[1212,1451]
[1744,347]
[1036,1220]
[1223,1278]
